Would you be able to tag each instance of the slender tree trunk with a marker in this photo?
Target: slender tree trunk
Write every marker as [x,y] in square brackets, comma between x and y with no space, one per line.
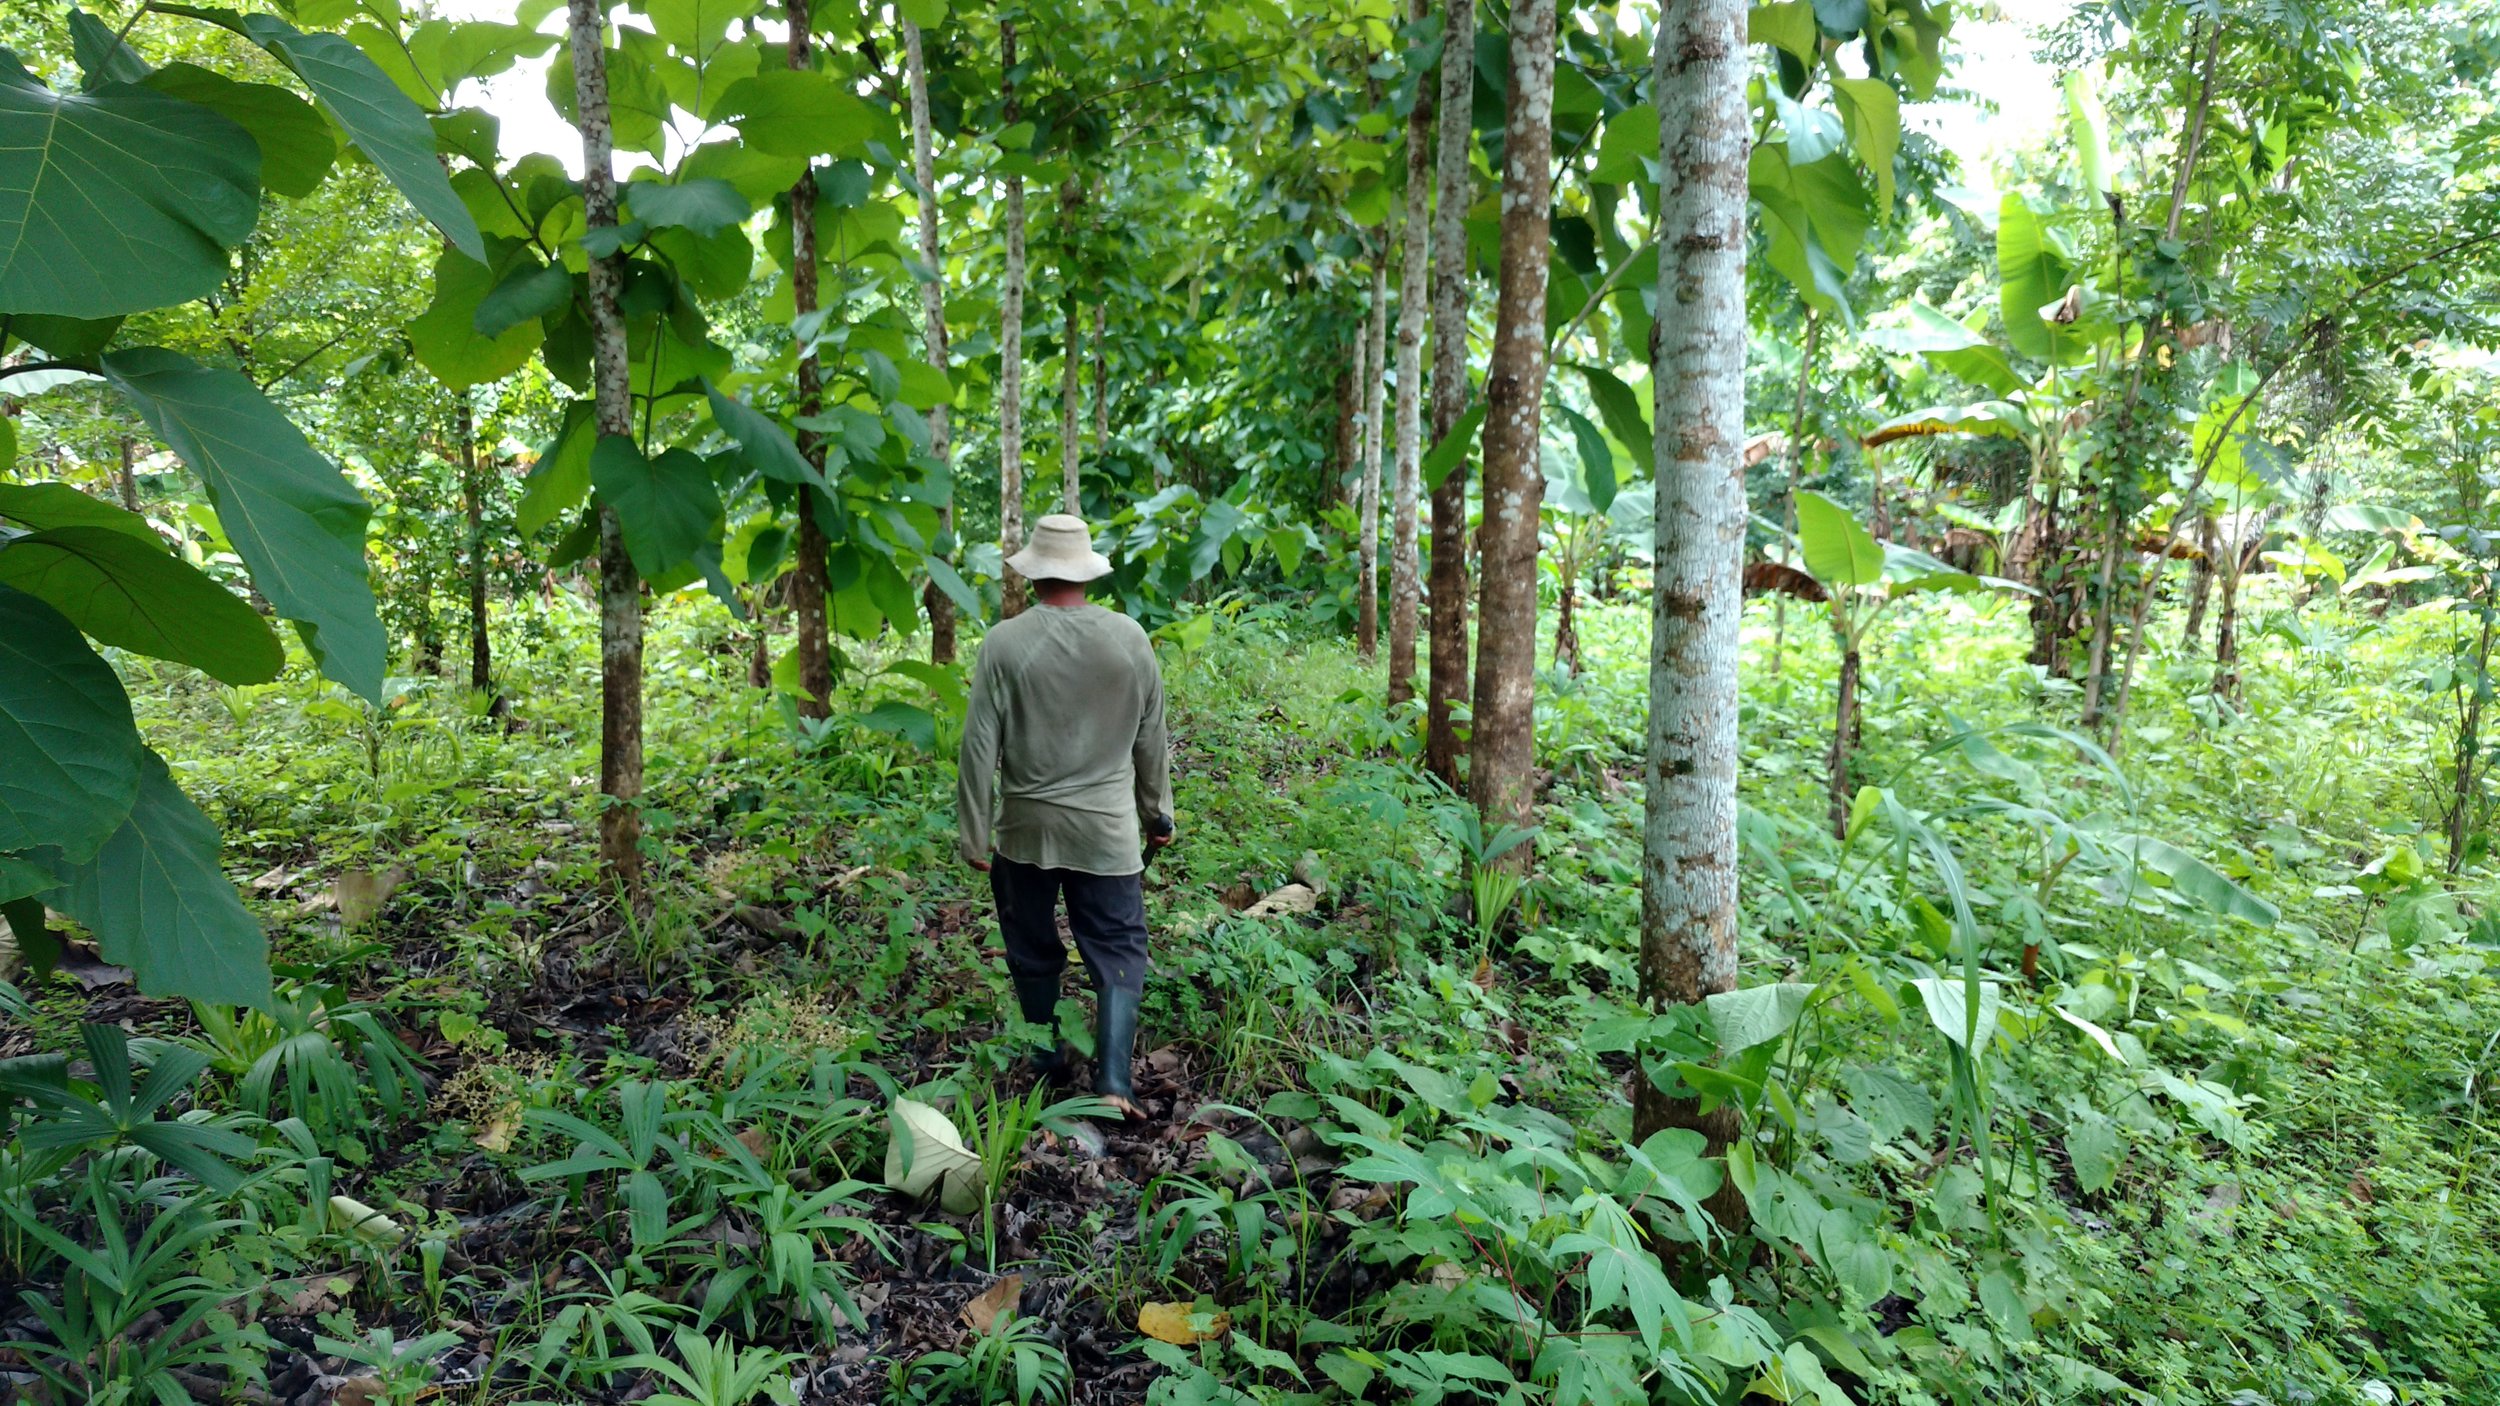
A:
[2104,609]
[1350,487]
[1102,384]
[940,606]
[2200,586]
[1071,425]
[1844,733]
[129,479]
[1697,369]
[1501,769]
[620,586]
[2227,632]
[1349,447]
[2146,587]
[1011,359]
[473,506]
[1567,623]
[807,573]
[1406,587]
[1455,183]
[1367,504]
[1793,463]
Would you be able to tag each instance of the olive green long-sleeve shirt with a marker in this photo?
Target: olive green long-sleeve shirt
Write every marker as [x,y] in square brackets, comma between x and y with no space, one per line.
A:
[1066,728]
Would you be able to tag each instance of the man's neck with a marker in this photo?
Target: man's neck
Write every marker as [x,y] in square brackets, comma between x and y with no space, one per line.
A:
[1061,593]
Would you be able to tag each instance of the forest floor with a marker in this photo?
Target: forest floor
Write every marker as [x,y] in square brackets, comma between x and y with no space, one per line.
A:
[2233,1145]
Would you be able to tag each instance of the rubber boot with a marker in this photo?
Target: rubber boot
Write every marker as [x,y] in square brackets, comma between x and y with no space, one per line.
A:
[1115,1037]
[1038,998]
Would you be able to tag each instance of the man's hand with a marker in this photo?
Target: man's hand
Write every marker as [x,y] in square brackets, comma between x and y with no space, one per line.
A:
[1167,837]
[982,865]
[1161,831]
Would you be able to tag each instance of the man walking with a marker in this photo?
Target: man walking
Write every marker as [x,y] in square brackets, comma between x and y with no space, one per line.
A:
[1066,725]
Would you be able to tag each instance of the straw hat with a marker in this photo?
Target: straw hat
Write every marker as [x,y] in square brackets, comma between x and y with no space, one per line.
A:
[1061,550]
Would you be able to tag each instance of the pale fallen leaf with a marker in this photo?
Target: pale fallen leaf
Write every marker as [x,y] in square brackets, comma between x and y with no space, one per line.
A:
[1447,1276]
[754,1139]
[359,1391]
[356,1218]
[496,1136]
[1170,1322]
[994,1302]
[1291,901]
[360,893]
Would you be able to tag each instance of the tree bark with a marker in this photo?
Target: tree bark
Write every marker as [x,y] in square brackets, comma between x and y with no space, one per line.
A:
[1102,383]
[1405,556]
[941,607]
[1350,487]
[1844,736]
[1697,367]
[620,586]
[1503,760]
[1455,181]
[807,573]
[2200,586]
[1011,358]
[128,479]
[1375,393]
[1071,425]
[473,507]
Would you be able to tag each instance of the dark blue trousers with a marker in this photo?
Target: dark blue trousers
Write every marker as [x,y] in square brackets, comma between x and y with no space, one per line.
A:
[1106,914]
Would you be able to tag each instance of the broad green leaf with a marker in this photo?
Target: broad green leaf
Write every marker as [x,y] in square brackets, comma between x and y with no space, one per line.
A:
[928,14]
[1873,111]
[129,592]
[448,53]
[296,146]
[697,27]
[378,118]
[2033,272]
[1756,1014]
[529,292]
[446,337]
[1813,132]
[1626,418]
[912,723]
[2092,1146]
[116,201]
[159,902]
[1953,346]
[757,175]
[792,112]
[668,507]
[2198,881]
[103,55]
[1949,1009]
[1629,148]
[291,515]
[763,445]
[1597,462]
[1837,550]
[956,588]
[2087,125]
[69,338]
[42,505]
[560,479]
[1287,544]
[72,748]
[705,206]
[1452,450]
[923,387]
[1788,26]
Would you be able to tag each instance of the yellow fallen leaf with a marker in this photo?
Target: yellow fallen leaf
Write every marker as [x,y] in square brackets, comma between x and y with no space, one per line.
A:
[496,1135]
[1170,1322]
[991,1303]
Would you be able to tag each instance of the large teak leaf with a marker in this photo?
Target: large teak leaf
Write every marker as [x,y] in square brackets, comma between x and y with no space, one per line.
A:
[159,903]
[128,591]
[118,200]
[296,145]
[291,515]
[72,749]
[668,507]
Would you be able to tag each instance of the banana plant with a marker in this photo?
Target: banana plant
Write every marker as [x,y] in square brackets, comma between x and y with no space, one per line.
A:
[1860,578]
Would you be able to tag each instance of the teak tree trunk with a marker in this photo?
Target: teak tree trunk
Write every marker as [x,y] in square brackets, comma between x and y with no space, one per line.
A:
[129,479]
[620,586]
[473,507]
[1071,426]
[807,573]
[941,607]
[1501,767]
[1367,502]
[1688,869]
[1840,795]
[2200,586]
[1455,180]
[1102,383]
[1405,556]
[1011,358]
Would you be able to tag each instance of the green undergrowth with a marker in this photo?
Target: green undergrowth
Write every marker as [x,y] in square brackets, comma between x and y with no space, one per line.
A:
[2229,1142]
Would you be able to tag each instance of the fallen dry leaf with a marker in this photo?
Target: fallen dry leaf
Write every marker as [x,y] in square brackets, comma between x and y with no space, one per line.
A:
[1170,1322]
[754,1139]
[1291,901]
[993,1303]
[359,1391]
[496,1136]
[361,893]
